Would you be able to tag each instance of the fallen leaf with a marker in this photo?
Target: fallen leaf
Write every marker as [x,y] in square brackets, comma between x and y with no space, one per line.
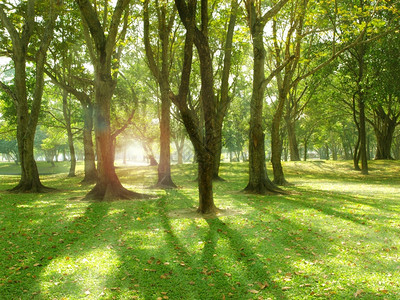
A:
[358,293]
[228,274]
[253,291]
[286,288]
[263,285]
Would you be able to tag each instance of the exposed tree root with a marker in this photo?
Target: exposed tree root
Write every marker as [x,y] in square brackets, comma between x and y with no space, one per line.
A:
[90,178]
[165,183]
[113,192]
[217,178]
[266,188]
[31,187]
[208,212]
[282,182]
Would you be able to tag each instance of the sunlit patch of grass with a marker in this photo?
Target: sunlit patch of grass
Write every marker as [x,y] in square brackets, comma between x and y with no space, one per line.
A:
[75,275]
[337,237]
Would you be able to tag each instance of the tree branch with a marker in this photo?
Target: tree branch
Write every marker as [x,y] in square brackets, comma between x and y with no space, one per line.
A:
[272,12]
[9,92]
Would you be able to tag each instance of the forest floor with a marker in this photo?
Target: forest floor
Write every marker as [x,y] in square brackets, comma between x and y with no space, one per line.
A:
[336,237]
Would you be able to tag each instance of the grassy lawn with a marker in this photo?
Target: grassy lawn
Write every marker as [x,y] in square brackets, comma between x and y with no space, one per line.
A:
[337,237]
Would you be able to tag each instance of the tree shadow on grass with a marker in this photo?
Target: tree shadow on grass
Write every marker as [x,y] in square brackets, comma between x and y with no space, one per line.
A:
[190,259]
[43,239]
[67,271]
[318,249]
[170,268]
[251,276]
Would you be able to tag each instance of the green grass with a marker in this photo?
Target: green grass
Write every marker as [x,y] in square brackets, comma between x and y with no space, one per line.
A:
[337,237]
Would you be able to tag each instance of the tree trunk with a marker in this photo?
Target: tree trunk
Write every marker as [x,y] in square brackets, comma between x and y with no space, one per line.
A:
[29,181]
[356,156]
[108,186]
[217,157]
[224,100]
[293,145]
[161,74]
[384,132]
[164,167]
[259,182]
[89,160]
[205,181]
[27,117]
[363,136]
[179,144]
[305,149]
[67,118]
[276,142]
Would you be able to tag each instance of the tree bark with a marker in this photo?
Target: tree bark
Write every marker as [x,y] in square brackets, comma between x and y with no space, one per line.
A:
[88,148]
[384,127]
[259,182]
[67,119]
[224,99]
[276,142]
[164,166]
[204,147]
[108,186]
[363,136]
[161,73]
[27,117]
[293,145]
[179,144]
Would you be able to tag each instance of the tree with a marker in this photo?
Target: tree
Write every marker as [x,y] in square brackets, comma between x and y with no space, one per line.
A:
[258,178]
[105,57]
[24,33]
[385,96]
[66,70]
[161,71]
[291,46]
[205,146]
[223,99]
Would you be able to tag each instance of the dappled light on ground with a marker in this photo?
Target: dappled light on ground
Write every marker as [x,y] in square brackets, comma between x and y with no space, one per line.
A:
[76,273]
[338,238]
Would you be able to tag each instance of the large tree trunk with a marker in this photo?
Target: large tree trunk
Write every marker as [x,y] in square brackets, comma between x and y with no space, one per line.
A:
[259,182]
[108,186]
[205,174]
[384,129]
[29,181]
[204,147]
[88,148]
[27,117]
